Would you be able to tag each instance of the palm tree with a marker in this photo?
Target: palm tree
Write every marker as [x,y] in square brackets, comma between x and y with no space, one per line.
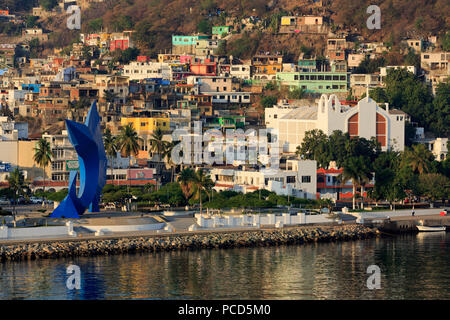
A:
[167,154]
[43,155]
[356,170]
[110,96]
[419,158]
[17,185]
[111,147]
[185,179]
[158,145]
[128,144]
[201,182]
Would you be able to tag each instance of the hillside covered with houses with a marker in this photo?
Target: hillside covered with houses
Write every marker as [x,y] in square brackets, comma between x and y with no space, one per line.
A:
[309,70]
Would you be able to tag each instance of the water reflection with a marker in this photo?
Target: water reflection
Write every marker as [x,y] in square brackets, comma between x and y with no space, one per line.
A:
[413,267]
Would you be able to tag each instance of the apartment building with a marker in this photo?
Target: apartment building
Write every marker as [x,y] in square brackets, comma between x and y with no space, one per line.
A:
[140,70]
[298,179]
[318,82]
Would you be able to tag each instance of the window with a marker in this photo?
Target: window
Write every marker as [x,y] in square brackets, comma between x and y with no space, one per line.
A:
[290,179]
[306,179]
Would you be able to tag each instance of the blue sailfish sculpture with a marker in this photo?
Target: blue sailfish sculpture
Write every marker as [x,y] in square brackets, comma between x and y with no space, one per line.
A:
[88,143]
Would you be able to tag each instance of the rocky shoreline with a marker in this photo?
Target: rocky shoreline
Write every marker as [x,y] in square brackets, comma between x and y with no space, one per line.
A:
[257,238]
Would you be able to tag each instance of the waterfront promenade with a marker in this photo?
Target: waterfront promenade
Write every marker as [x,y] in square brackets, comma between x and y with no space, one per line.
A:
[119,244]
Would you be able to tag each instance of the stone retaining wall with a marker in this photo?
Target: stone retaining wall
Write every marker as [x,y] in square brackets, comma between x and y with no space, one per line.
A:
[31,251]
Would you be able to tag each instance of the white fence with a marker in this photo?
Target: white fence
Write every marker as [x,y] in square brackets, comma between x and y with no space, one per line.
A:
[36,232]
[125,228]
[257,220]
[361,216]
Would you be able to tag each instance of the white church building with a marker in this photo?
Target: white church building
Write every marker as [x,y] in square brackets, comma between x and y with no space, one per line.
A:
[366,119]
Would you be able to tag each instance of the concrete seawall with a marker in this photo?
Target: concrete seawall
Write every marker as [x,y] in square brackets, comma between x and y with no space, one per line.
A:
[286,236]
[408,224]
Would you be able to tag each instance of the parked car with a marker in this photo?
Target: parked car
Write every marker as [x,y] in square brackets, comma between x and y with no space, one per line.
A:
[36,200]
[5,202]
[110,206]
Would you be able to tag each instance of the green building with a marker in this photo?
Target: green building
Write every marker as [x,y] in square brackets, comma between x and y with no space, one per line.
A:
[219,30]
[315,82]
[307,63]
[187,40]
[228,122]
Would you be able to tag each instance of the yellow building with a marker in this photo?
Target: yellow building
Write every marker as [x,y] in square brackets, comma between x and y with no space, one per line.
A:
[20,153]
[145,126]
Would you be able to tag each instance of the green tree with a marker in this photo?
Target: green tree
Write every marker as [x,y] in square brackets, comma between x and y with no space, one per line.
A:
[128,55]
[30,21]
[358,171]
[185,179]
[17,185]
[111,147]
[315,147]
[412,59]
[201,182]
[446,41]
[144,35]
[268,101]
[110,96]
[86,53]
[168,148]
[128,144]
[385,169]
[434,186]
[440,117]
[122,23]
[370,65]
[158,145]
[296,93]
[95,24]
[43,155]
[408,93]
[204,26]
[419,158]
[48,4]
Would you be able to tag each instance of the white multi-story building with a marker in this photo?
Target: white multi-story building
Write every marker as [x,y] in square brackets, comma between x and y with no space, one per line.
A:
[211,83]
[439,148]
[299,179]
[240,71]
[12,130]
[366,120]
[137,70]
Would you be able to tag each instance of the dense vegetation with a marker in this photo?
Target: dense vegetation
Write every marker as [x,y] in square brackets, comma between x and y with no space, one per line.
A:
[407,92]
[412,173]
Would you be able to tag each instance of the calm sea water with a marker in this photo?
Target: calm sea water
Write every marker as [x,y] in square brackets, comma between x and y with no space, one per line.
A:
[412,267]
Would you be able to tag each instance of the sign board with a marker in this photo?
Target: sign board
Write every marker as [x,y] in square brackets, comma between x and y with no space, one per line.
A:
[5,167]
[72,165]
